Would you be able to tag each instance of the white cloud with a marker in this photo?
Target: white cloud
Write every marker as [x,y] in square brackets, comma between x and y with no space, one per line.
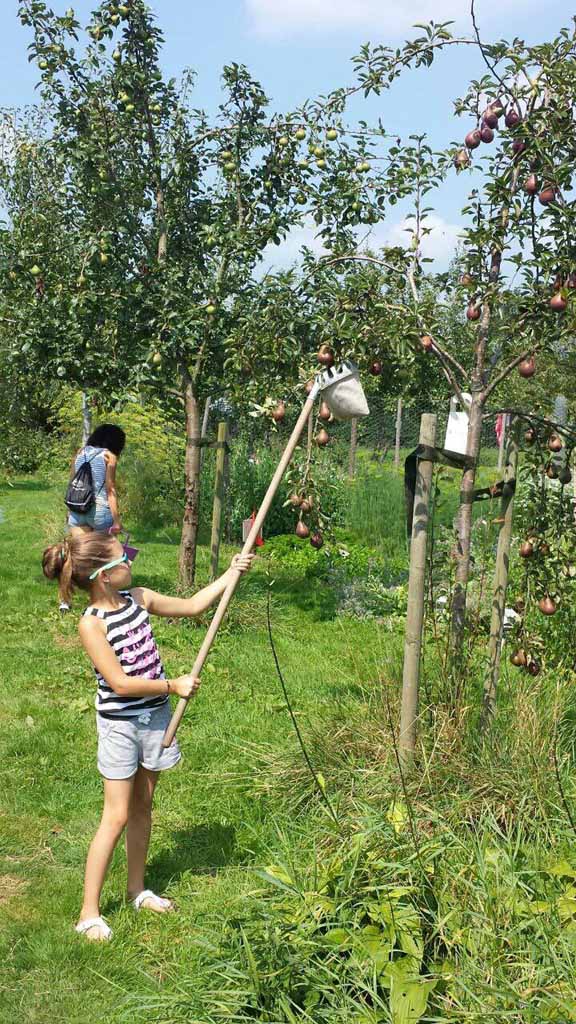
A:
[440,245]
[395,17]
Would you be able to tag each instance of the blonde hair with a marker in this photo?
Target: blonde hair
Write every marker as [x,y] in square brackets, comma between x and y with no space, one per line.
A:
[73,560]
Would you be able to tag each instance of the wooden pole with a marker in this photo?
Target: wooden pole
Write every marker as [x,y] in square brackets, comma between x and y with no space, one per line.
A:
[398,434]
[234,575]
[501,577]
[218,498]
[416,587]
[353,443]
[86,418]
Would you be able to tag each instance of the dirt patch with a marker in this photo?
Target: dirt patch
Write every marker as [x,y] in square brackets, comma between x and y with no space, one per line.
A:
[10,886]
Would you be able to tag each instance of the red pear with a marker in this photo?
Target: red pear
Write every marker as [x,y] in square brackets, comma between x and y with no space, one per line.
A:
[322,438]
[526,549]
[326,356]
[558,302]
[555,443]
[324,411]
[461,159]
[533,667]
[547,195]
[527,368]
[486,134]
[564,476]
[308,386]
[316,540]
[426,342]
[279,412]
[512,118]
[467,280]
[295,500]
[551,471]
[519,658]
[530,436]
[306,505]
[302,530]
[490,117]
[376,368]
[531,185]
[518,147]
[473,312]
[546,605]
[473,139]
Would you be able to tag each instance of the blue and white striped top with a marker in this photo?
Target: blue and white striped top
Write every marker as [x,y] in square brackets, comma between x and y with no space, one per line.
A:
[129,633]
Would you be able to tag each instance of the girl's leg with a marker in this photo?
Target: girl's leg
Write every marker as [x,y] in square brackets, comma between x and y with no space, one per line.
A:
[138,834]
[117,794]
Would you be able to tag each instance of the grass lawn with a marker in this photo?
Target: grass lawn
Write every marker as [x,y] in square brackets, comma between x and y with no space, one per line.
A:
[212,828]
[464,870]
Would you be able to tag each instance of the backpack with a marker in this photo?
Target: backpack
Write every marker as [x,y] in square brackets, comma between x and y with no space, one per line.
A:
[80,495]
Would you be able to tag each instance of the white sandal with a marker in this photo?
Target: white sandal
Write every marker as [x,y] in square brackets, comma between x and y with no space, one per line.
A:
[94,922]
[147,894]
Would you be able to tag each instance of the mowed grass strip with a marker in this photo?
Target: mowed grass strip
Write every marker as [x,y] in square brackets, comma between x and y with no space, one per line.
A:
[212,825]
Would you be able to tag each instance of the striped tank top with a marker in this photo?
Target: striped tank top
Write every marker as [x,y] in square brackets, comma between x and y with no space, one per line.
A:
[129,634]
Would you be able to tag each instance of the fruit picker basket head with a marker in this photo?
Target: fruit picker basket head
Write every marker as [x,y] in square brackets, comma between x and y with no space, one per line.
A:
[342,391]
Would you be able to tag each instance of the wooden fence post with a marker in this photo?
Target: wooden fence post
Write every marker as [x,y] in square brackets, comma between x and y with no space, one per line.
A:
[353,443]
[416,586]
[86,418]
[204,430]
[398,434]
[503,441]
[221,459]
[501,576]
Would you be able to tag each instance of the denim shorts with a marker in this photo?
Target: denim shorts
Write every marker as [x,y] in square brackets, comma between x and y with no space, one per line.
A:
[126,743]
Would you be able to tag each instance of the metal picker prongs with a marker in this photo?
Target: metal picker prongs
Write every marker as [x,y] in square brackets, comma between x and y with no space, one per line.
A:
[342,391]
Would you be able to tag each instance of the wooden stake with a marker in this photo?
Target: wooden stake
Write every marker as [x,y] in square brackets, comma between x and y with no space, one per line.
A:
[500,580]
[205,421]
[398,433]
[353,442]
[221,459]
[416,586]
[502,445]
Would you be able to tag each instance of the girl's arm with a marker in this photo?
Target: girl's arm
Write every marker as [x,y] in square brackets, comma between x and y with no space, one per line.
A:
[111,462]
[105,661]
[181,607]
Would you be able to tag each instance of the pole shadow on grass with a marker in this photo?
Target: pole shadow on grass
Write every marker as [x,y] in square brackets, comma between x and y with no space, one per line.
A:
[201,849]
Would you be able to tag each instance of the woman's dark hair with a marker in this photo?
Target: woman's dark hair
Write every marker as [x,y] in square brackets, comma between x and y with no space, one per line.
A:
[109,436]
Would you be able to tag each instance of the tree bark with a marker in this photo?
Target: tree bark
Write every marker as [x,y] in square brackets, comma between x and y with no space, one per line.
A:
[218,504]
[86,418]
[416,590]
[500,580]
[190,522]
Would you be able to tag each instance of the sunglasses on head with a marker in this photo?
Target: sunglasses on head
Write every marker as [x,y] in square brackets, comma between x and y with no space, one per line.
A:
[109,565]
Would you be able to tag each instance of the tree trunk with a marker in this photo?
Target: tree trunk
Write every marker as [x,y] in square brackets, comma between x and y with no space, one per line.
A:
[189,539]
[86,418]
[464,528]
[416,590]
[218,504]
[501,579]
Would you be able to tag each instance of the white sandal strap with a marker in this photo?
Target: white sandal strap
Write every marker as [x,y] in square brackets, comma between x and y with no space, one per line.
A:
[94,922]
[147,894]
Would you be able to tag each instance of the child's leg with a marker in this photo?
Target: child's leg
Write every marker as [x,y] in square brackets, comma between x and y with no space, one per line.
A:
[138,831]
[117,794]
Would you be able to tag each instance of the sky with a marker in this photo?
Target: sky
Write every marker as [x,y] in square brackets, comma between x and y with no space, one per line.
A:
[299,49]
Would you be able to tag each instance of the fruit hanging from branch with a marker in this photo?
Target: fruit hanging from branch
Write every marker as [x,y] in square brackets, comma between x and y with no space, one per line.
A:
[547,195]
[426,342]
[375,368]
[546,605]
[326,356]
[555,443]
[473,139]
[486,134]
[461,159]
[279,412]
[295,500]
[527,368]
[531,185]
[564,476]
[558,302]
[473,312]
[306,505]
[519,658]
[526,549]
[551,471]
[317,540]
[324,412]
[302,530]
[467,281]
[490,118]
[533,667]
[530,435]
[322,438]
[512,118]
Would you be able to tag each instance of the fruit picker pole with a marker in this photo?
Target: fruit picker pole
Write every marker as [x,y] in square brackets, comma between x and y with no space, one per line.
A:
[246,550]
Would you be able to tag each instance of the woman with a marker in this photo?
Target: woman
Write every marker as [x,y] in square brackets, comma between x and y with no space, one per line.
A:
[102,450]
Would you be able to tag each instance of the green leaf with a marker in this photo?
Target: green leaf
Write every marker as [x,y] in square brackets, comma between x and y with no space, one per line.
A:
[337,937]
[408,993]
[397,815]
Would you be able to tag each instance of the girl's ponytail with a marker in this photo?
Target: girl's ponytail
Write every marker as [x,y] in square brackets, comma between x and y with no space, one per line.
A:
[73,560]
[57,565]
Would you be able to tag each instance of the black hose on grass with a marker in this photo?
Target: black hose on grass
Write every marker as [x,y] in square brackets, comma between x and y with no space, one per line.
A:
[321,789]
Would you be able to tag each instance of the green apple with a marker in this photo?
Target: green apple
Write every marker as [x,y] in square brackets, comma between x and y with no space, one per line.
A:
[103,175]
[283,140]
[301,134]
[116,55]
[303,164]
[300,199]
[35,270]
[321,164]
[230,166]
[104,257]
[42,64]
[318,151]
[157,359]
[124,97]
[226,154]
[331,134]
[210,309]
[129,107]
[124,10]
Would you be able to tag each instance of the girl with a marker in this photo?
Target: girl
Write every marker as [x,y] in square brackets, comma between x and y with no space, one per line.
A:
[102,450]
[132,705]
